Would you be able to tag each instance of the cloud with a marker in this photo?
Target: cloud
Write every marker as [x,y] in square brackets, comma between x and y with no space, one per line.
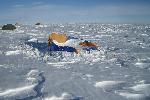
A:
[37,3]
[18,5]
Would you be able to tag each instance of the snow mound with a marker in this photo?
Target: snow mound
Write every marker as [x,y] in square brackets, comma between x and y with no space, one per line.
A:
[12,52]
[32,89]
[30,52]
[59,64]
[129,95]
[139,91]
[1,52]
[33,40]
[143,63]
[64,96]
[33,76]
[108,85]
[143,88]
[18,92]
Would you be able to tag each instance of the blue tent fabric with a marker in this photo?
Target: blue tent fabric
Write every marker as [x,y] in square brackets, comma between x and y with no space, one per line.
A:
[54,47]
[89,48]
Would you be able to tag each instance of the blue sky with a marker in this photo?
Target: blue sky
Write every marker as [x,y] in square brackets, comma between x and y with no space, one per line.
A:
[70,11]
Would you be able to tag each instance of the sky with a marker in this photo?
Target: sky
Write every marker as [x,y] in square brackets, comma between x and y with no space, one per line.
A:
[75,11]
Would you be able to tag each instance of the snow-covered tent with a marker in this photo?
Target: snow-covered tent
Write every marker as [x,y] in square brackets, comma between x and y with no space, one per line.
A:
[60,42]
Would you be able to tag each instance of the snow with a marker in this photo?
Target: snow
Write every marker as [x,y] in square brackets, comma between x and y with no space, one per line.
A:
[139,64]
[64,96]
[89,75]
[139,91]
[120,70]
[107,85]
[143,88]
[33,40]
[60,63]
[16,52]
[132,95]
[25,90]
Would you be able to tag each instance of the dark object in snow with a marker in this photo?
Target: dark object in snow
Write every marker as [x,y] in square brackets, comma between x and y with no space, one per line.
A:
[9,27]
[126,36]
[16,24]
[38,24]
[88,44]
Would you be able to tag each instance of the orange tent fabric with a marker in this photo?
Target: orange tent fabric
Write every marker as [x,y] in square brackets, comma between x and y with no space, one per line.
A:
[60,38]
[88,44]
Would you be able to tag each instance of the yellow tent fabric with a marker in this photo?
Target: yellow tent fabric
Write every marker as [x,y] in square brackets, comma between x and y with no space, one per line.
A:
[60,38]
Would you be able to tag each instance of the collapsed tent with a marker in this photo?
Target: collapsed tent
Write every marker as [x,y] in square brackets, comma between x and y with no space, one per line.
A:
[58,42]
[86,45]
[60,38]
[62,42]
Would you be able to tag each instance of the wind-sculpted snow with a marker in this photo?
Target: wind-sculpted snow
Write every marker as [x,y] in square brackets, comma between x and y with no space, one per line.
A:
[30,91]
[17,92]
[109,85]
[64,96]
[119,70]
[12,52]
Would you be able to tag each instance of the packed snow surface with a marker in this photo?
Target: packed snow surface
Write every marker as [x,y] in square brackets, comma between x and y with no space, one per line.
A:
[119,70]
